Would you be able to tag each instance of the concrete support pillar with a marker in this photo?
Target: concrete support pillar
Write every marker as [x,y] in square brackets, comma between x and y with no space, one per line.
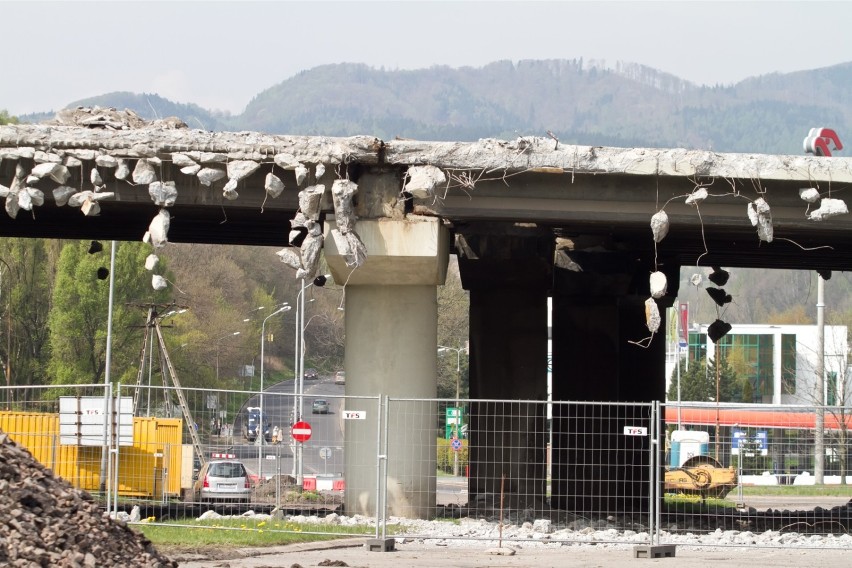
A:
[597,468]
[509,278]
[391,350]
[508,330]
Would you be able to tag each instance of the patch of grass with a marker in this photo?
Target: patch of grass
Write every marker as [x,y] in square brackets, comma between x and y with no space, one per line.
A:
[244,532]
[806,490]
[682,502]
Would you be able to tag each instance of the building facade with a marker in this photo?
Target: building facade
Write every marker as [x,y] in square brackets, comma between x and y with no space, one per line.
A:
[780,361]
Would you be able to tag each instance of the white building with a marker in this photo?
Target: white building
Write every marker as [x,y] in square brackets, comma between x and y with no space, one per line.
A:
[780,361]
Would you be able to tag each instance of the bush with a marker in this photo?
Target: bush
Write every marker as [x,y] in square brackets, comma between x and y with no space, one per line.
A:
[445,456]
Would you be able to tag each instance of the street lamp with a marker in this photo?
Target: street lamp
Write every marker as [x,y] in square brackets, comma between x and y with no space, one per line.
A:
[260,426]
[257,309]
[217,352]
[458,350]
[299,362]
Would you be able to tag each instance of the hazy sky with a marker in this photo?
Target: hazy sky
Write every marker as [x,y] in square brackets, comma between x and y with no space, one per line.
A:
[220,54]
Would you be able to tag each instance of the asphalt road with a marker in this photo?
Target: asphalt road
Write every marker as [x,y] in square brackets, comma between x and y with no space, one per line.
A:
[326,431]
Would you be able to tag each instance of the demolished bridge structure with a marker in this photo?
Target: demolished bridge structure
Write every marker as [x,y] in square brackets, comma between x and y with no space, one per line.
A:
[601,231]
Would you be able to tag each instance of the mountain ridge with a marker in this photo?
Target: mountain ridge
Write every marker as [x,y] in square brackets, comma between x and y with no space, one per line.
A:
[581,102]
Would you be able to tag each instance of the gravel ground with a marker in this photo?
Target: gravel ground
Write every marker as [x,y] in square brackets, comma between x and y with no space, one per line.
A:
[453,545]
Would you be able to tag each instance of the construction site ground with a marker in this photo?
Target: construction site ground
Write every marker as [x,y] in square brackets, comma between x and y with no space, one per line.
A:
[353,553]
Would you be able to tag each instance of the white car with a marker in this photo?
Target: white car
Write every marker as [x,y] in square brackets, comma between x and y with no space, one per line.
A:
[223,480]
[340,378]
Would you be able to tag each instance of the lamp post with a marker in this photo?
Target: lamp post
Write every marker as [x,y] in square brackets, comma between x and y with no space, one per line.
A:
[217,352]
[458,350]
[260,435]
[299,365]
[257,309]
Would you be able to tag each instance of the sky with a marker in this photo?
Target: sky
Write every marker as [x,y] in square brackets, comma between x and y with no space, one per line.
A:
[220,54]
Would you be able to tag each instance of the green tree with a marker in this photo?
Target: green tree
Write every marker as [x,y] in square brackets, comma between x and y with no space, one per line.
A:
[6,119]
[26,285]
[453,314]
[699,383]
[78,317]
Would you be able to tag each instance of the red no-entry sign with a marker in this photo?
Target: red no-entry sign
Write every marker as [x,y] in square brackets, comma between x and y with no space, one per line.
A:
[301,431]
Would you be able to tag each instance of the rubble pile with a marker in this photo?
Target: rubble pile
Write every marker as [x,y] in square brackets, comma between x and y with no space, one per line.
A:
[46,522]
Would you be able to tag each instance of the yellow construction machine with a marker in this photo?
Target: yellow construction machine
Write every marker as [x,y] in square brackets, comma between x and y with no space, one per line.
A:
[691,470]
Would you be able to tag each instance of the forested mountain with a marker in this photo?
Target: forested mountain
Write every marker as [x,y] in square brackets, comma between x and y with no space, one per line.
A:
[580,102]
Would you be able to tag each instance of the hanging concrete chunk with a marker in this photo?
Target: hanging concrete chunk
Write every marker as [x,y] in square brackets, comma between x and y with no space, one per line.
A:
[122,170]
[158,230]
[828,207]
[182,160]
[190,170]
[77,199]
[698,195]
[229,192]
[105,161]
[90,208]
[717,330]
[290,257]
[34,197]
[41,157]
[659,225]
[144,173]
[12,206]
[343,191]
[357,248]
[273,185]
[809,194]
[301,174]
[719,277]
[24,201]
[61,194]
[319,171]
[95,177]
[658,284]
[212,158]
[209,175]
[311,248]
[309,201]
[342,246]
[652,315]
[422,181]
[286,161]
[72,161]
[151,261]
[158,282]
[719,296]
[561,259]
[56,172]
[760,216]
[163,194]
[240,169]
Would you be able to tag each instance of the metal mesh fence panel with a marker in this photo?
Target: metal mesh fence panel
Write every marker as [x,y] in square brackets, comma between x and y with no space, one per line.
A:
[755,469]
[565,470]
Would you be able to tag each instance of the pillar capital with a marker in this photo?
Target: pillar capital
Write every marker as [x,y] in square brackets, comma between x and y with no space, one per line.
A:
[406,252]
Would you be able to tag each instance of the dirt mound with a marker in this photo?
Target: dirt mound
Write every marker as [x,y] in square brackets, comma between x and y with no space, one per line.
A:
[46,522]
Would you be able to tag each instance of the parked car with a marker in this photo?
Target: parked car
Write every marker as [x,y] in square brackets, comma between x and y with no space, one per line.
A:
[340,378]
[223,480]
[320,406]
[311,374]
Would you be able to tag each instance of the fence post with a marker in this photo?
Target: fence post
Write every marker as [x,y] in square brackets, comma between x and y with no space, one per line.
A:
[652,474]
[381,543]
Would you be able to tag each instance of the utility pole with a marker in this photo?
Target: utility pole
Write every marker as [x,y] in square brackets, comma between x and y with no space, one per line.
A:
[819,430]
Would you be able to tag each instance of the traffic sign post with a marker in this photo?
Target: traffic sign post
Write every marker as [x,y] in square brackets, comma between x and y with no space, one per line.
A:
[454,418]
[301,431]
